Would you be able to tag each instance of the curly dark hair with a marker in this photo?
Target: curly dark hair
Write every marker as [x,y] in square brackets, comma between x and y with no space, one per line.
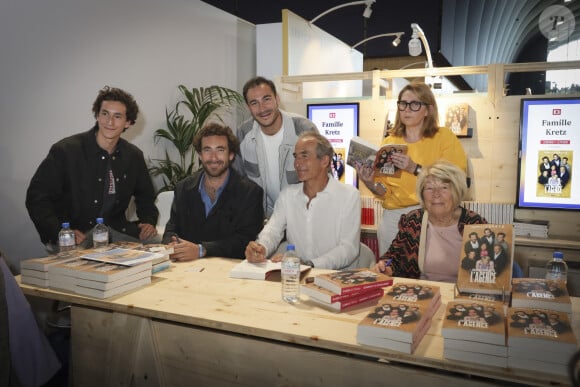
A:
[215,129]
[108,93]
[257,81]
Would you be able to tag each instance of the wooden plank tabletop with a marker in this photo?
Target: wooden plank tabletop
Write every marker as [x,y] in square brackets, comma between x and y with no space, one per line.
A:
[200,293]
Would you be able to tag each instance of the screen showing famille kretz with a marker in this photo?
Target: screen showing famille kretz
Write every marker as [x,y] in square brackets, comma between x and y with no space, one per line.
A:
[549,153]
[338,122]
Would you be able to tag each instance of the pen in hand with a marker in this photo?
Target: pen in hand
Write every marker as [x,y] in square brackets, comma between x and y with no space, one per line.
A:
[388,263]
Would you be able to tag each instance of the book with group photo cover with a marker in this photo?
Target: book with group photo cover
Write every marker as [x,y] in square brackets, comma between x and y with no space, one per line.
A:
[364,153]
[475,321]
[352,281]
[540,339]
[540,293]
[401,318]
[486,259]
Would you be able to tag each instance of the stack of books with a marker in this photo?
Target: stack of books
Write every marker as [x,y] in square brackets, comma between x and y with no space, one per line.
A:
[401,318]
[346,288]
[486,260]
[34,271]
[540,339]
[475,332]
[540,293]
[531,228]
[99,273]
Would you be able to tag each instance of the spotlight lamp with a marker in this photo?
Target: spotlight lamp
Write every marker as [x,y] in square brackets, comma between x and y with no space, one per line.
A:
[415,48]
[366,13]
[396,41]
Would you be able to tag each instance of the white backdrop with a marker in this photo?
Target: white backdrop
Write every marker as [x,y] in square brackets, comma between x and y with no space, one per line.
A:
[57,54]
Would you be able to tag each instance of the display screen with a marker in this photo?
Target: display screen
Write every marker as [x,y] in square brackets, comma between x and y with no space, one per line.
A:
[338,122]
[549,160]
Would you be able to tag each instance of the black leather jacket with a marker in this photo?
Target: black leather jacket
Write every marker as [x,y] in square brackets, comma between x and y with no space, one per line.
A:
[69,184]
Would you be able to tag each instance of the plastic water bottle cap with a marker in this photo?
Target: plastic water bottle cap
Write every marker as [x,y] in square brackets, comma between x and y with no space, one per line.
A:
[99,220]
[558,254]
[289,247]
[65,225]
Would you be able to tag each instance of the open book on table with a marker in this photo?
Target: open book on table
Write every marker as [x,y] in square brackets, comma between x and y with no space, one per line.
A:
[261,271]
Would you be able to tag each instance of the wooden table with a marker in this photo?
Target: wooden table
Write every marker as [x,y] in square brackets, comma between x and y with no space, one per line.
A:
[195,328]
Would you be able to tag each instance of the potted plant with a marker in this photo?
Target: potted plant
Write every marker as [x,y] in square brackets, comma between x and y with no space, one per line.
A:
[196,107]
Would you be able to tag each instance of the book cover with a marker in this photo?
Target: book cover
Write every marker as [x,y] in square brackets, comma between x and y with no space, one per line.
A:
[352,281]
[456,118]
[486,259]
[356,299]
[361,153]
[540,293]
[383,163]
[259,271]
[364,153]
[401,315]
[120,256]
[114,291]
[475,321]
[540,334]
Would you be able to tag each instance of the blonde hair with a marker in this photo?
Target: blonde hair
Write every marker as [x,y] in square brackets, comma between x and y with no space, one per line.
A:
[445,172]
[431,122]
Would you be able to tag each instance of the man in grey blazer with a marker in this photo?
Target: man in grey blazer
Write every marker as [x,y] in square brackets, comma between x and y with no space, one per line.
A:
[267,141]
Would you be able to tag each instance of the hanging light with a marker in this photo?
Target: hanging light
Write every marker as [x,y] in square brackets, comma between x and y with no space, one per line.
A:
[366,13]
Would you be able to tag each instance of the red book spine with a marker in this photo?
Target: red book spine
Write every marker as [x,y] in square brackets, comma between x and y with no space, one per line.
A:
[363,297]
[366,287]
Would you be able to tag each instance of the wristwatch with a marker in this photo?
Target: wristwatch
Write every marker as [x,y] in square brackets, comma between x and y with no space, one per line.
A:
[418,169]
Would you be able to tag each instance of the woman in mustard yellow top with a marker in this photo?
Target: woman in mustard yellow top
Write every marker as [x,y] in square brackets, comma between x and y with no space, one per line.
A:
[417,126]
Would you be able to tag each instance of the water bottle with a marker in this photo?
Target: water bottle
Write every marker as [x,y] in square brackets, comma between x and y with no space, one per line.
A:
[557,269]
[290,275]
[66,238]
[100,234]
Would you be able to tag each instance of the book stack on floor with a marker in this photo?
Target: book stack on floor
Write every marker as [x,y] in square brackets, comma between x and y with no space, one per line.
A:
[475,331]
[34,271]
[346,289]
[540,293]
[401,318]
[531,228]
[486,260]
[540,340]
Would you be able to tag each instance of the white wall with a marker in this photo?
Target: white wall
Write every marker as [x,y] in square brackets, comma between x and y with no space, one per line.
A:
[57,54]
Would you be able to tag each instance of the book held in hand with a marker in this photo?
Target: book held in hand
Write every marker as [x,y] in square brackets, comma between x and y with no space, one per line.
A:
[486,259]
[401,318]
[352,281]
[540,293]
[259,271]
[364,153]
